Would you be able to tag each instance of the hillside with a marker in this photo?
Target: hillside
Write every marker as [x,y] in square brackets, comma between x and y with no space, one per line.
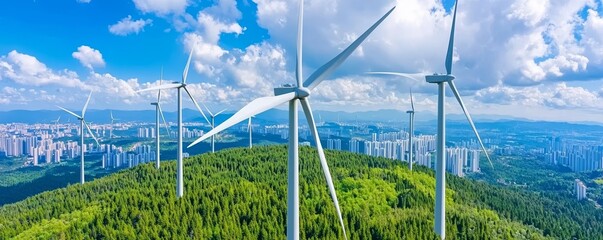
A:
[241,194]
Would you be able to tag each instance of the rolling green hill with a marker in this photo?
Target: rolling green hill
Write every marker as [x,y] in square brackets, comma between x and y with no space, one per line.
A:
[241,194]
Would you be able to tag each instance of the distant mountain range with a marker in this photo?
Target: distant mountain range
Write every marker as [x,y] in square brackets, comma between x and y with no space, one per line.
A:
[275,115]
[270,116]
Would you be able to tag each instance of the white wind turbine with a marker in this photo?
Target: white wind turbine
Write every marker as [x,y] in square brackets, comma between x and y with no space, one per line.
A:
[112,121]
[213,124]
[249,128]
[441,80]
[159,112]
[56,124]
[82,124]
[411,131]
[292,94]
[179,86]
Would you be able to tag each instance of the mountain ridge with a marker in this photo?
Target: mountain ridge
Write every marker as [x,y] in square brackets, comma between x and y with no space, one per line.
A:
[240,194]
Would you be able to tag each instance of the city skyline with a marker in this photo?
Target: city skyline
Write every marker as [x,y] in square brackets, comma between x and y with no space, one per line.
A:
[549,64]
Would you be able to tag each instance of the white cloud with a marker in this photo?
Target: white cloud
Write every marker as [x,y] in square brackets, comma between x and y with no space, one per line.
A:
[162,7]
[555,96]
[41,87]
[84,1]
[27,70]
[89,57]
[127,26]
[593,37]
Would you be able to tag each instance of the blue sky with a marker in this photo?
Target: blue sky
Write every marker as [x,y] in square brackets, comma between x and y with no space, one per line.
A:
[544,56]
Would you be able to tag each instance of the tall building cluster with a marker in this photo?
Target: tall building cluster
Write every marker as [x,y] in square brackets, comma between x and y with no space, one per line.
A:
[394,145]
[578,157]
[22,140]
[462,160]
[116,157]
[580,190]
[146,132]
[334,144]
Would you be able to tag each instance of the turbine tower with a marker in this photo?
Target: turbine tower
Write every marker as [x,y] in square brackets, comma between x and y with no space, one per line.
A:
[213,124]
[112,121]
[249,128]
[82,124]
[179,86]
[56,124]
[441,80]
[411,131]
[159,112]
[292,94]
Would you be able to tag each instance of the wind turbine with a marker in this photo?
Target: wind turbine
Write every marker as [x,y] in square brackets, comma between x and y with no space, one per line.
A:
[249,128]
[411,129]
[213,124]
[56,124]
[179,86]
[112,121]
[292,94]
[82,124]
[441,80]
[158,112]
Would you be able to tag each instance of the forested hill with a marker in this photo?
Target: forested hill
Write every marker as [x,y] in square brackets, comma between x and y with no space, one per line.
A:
[241,194]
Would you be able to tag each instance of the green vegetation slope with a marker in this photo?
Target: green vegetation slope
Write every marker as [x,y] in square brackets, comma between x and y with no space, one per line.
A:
[241,194]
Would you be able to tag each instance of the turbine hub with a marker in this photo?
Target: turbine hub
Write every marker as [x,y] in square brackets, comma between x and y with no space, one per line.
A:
[302,92]
[439,78]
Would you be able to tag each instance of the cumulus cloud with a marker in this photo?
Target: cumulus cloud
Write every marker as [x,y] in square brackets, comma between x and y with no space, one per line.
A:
[27,70]
[84,1]
[36,83]
[161,7]
[593,37]
[89,57]
[127,26]
[555,96]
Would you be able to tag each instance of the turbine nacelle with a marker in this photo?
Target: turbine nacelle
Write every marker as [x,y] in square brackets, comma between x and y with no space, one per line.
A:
[300,92]
[439,78]
[410,111]
[154,104]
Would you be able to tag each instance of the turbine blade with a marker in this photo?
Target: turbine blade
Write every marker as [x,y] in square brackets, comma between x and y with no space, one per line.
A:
[70,112]
[255,107]
[111,112]
[479,139]
[206,108]
[300,31]
[196,104]
[323,161]
[413,76]
[249,124]
[188,64]
[90,132]
[320,74]
[160,87]
[218,113]
[451,43]
[167,129]
[412,103]
[86,105]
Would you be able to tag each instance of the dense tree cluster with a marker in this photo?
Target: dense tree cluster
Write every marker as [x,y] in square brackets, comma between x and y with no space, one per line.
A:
[241,194]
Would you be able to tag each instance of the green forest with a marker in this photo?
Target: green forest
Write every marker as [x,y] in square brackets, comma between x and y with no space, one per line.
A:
[241,194]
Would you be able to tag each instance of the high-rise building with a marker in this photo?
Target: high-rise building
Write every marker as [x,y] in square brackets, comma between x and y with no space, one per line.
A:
[35,157]
[580,190]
